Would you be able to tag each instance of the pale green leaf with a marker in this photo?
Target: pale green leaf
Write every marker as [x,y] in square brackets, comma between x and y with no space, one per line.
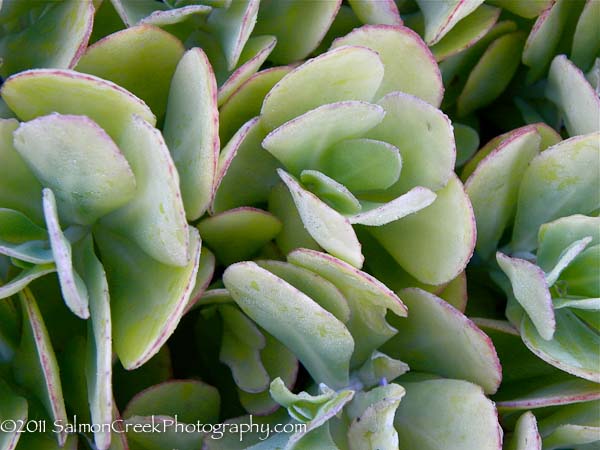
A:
[191,130]
[346,73]
[155,218]
[409,65]
[442,16]
[319,340]
[525,436]
[82,165]
[384,12]
[330,191]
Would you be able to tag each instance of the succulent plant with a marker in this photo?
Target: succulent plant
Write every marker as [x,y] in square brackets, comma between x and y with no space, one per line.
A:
[244,224]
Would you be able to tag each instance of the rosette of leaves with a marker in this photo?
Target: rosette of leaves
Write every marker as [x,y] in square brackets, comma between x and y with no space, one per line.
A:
[536,200]
[91,191]
[356,138]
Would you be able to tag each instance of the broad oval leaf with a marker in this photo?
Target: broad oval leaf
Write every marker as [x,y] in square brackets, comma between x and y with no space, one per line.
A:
[575,97]
[573,349]
[466,32]
[408,63]
[246,173]
[155,217]
[586,46]
[300,143]
[321,342]
[82,165]
[423,134]
[362,164]
[316,287]
[442,410]
[437,338]
[190,400]
[298,28]
[441,17]
[148,298]
[20,189]
[43,44]
[434,244]
[330,191]
[329,228]
[238,234]
[345,73]
[561,181]
[384,12]
[40,92]
[127,57]
[191,130]
[494,186]
[367,297]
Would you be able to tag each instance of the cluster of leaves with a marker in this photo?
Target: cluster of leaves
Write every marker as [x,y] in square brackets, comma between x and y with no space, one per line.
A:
[234,210]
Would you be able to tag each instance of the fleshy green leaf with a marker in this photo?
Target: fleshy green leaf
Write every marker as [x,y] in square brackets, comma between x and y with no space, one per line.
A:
[423,134]
[561,181]
[384,12]
[246,172]
[467,143]
[494,186]
[381,367]
[434,244]
[237,234]
[190,400]
[232,27]
[581,277]
[301,143]
[529,10]
[442,16]
[240,350]
[578,102]
[373,428]
[293,234]
[530,289]
[346,73]
[72,286]
[99,350]
[377,214]
[20,238]
[573,349]
[367,298]
[155,218]
[437,338]
[259,49]
[147,298]
[246,101]
[586,46]
[492,73]
[174,16]
[329,228]
[436,414]
[35,93]
[466,32]
[82,165]
[127,58]
[35,366]
[191,130]
[545,36]
[298,28]
[554,237]
[566,258]
[409,65]
[317,288]
[525,436]
[43,44]
[330,191]
[362,164]
[26,276]
[20,189]
[13,408]
[319,340]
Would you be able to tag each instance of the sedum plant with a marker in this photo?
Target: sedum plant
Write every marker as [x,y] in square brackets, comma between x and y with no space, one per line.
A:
[217,213]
